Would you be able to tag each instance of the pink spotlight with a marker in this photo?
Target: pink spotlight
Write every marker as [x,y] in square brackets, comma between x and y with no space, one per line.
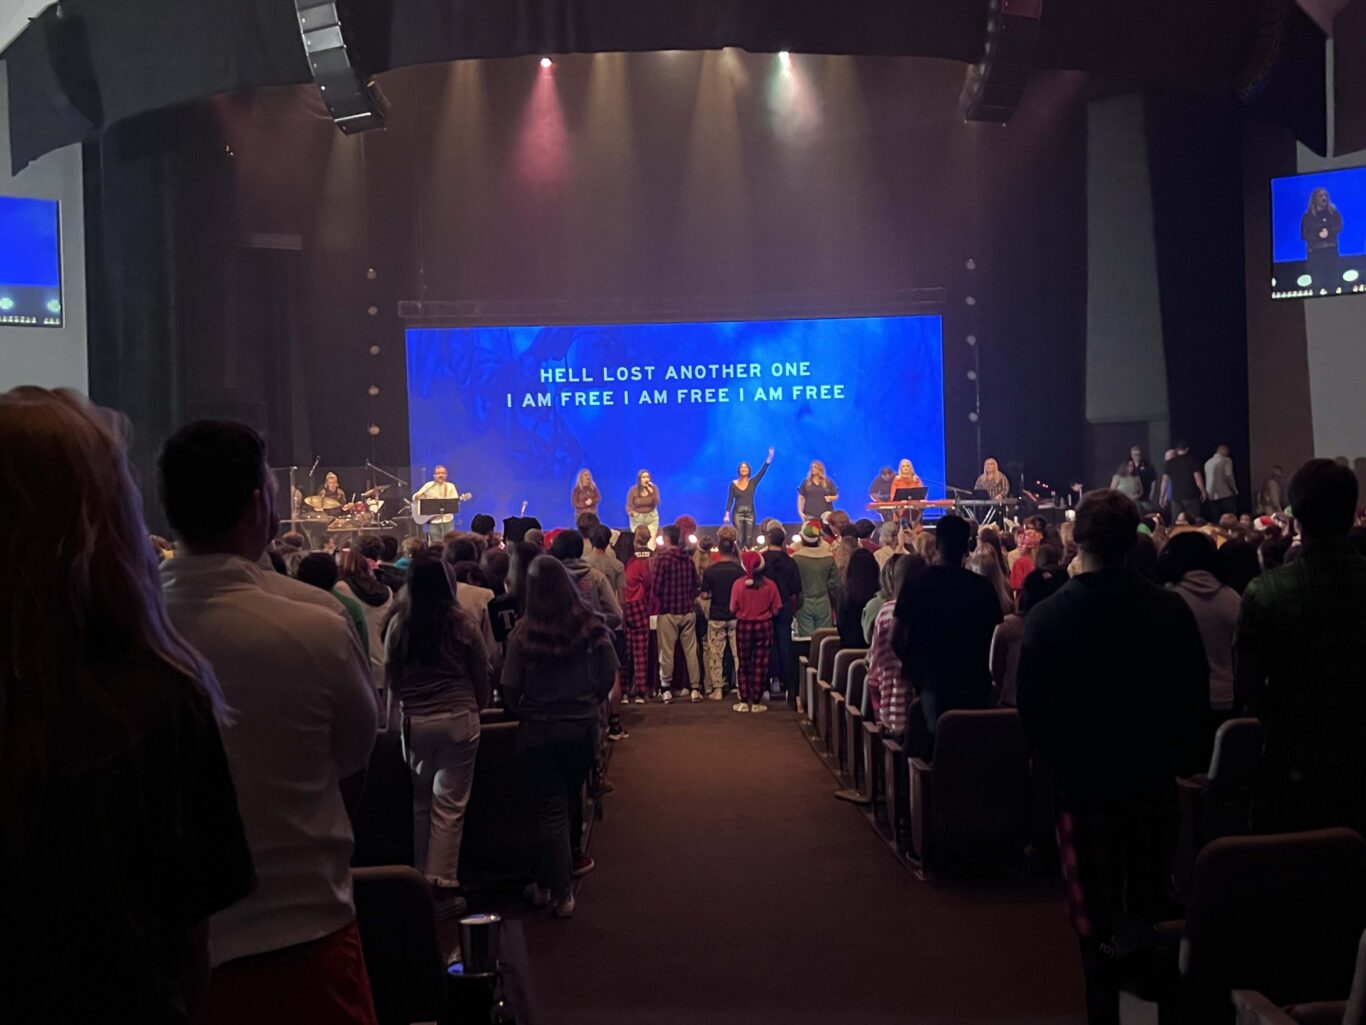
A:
[546,62]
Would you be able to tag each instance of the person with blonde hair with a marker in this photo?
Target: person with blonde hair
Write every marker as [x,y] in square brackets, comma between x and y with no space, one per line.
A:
[816,494]
[586,497]
[119,824]
[983,562]
[357,581]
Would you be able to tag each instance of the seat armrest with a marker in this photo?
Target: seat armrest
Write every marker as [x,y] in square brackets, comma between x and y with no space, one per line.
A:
[921,767]
[1192,784]
[1252,1008]
[922,842]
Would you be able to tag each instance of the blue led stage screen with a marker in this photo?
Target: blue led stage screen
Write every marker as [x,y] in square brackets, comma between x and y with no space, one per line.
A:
[1318,234]
[516,412]
[30,263]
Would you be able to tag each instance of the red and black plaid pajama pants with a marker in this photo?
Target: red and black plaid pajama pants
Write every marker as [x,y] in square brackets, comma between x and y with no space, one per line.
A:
[637,623]
[754,640]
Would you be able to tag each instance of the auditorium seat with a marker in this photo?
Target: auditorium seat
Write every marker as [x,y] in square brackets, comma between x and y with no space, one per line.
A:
[499,843]
[857,711]
[806,672]
[838,703]
[896,803]
[1219,802]
[383,822]
[397,922]
[825,671]
[1281,914]
[1254,1008]
[973,802]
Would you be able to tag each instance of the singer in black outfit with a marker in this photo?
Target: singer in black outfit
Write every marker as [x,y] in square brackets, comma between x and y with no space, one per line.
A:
[740,500]
[1320,227]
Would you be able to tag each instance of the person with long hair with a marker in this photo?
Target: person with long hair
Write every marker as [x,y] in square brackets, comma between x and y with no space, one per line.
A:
[506,608]
[114,771]
[357,581]
[888,691]
[861,584]
[816,494]
[639,605]
[438,668]
[983,563]
[586,497]
[906,478]
[642,503]
[561,666]
[995,483]
[1320,226]
[885,593]
[740,499]
[754,600]
[1127,482]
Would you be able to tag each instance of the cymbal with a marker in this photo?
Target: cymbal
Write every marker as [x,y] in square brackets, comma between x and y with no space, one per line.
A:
[322,503]
[378,489]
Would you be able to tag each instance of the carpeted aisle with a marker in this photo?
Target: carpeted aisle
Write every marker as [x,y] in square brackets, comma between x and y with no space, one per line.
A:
[731,887]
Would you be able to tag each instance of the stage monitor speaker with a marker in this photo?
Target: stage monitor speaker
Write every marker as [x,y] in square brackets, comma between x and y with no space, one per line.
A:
[996,83]
[355,103]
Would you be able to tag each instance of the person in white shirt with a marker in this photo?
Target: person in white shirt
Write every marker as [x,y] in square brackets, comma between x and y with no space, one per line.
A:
[303,725]
[438,487]
[1220,487]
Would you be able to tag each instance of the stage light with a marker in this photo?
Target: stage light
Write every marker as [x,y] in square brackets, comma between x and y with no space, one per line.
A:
[1351,274]
[972,375]
[971,300]
[373,390]
[372,310]
[373,429]
[54,306]
[546,62]
[796,539]
[371,273]
[1304,281]
[785,59]
[692,539]
[6,303]
[971,264]
[1070,515]
[971,339]
[374,350]
[972,417]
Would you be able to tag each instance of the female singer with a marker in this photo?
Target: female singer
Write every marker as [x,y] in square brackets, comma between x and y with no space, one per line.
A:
[642,503]
[1320,227]
[741,500]
[816,493]
[906,477]
[586,495]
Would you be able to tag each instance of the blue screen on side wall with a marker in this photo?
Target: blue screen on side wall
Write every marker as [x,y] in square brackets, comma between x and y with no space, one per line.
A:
[30,263]
[516,412]
[1294,273]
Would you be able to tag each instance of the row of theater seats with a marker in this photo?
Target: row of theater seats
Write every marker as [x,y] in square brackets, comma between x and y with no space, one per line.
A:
[1271,921]
[394,907]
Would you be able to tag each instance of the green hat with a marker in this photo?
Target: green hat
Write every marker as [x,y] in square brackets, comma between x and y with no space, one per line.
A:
[811,533]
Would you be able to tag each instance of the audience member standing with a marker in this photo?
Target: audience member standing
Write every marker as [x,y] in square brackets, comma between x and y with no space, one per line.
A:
[304,723]
[602,559]
[119,828]
[356,580]
[1271,499]
[784,573]
[820,580]
[560,668]
[320,570]
[639,607]
[1114,729]
[1301,657]
[885,592]
[887,688]
[676,586]
[1189,564]
[597,591]
[754,600]
[945,617]
[717,583]
[1145,472]
[1183,484]
[861,584]
[437,666]
[1220,487]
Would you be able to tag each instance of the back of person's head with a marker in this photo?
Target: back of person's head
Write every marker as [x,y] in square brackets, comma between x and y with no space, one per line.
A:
[728,532]
[1274,551]
[728,548]
[535,536]
[524,553]
[838,520]
[885,576]
[1048,554]
[556,623]
[861,579]
[80,594]
[495,564]
[213,481]
[908,567]
[435,627]
[584,523]
[952,535]
[1187,552]
[600,537]
[388,551]
[1040,584]
[318,569]
[863,529]
[848,531]
[371,547]
[671,535]
[351,563]
[888,533]
[687,527]
[641,537]
[777,537]
[1323,498]
[1236,564]
[482,523]
[1142,557]
[1179,446]
[568,544]
[460,549]
[292,541]
[983,563]
[1107,526]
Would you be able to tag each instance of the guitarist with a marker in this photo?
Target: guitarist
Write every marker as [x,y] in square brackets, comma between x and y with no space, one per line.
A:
[439,487]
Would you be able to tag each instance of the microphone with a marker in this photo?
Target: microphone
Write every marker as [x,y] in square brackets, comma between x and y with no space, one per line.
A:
[522,511]
[316,461]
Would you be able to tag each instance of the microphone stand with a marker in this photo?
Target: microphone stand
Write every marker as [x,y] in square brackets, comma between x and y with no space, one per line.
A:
[379,469]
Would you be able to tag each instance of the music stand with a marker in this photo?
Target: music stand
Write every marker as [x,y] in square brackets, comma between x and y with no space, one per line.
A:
[916,494]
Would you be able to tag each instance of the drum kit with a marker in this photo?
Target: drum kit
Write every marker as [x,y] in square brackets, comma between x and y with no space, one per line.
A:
[334,515]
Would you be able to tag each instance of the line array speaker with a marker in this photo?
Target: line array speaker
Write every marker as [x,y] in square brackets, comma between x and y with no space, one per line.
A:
[355,103]
[995,84]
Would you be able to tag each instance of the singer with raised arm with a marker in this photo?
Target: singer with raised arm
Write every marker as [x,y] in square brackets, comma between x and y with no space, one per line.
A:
[437,487]
[740,500]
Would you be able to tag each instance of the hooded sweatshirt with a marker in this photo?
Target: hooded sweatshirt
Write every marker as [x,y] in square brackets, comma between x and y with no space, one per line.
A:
[1216,610]
[816,564]
[596,590]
